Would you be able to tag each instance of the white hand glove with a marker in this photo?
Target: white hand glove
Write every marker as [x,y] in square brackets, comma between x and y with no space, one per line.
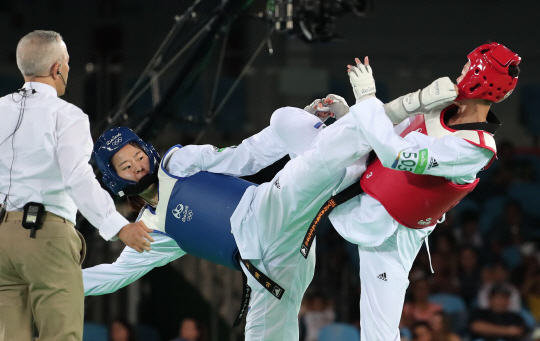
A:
[362,81]
[338,107]
[314,109]
[441,92]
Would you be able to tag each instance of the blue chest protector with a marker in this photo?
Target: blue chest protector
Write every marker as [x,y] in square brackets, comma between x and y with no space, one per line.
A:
[198,216]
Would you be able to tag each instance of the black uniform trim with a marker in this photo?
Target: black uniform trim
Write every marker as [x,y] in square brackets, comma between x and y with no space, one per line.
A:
[491,125]
[338,199]
[275,289]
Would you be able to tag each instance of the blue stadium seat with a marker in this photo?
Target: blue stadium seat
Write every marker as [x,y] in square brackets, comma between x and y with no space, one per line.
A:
[456,309]
[405,333]
[511,256]
[451,303]
[527,195]
[147,333]
[530,100]
[528,318]
[338,331]
[534,160]
[95,332]
[467,204]
[493,207]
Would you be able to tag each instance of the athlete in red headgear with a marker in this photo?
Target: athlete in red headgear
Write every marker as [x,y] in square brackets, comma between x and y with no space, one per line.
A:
[430,146]
[425,165]
[490,74]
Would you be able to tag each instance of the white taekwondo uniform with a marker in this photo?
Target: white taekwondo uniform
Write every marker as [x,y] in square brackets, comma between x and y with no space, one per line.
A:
[270,220]
[362,220]
[387,249]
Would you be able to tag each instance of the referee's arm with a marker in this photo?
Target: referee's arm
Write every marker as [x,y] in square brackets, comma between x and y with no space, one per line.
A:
[73,150]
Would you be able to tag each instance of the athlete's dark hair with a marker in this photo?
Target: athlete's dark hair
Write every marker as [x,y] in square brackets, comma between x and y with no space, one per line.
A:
[135,203]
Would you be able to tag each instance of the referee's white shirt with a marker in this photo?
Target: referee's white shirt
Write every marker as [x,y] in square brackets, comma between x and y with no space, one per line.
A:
[46,160]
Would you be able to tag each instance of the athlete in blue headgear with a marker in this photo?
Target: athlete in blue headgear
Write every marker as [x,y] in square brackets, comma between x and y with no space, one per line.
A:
[201,201]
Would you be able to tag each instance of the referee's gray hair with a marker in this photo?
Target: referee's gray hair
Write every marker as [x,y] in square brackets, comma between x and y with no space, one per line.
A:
[38,51]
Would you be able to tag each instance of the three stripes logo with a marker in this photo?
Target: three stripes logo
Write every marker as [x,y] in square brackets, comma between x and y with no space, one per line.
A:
[382,276]
[433,163]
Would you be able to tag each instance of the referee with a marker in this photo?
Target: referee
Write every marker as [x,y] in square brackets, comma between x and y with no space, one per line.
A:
[45,146]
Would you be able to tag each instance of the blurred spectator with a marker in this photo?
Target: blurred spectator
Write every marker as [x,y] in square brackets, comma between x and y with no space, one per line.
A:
[499,176]
[497,322]
[514,227]
[419,308]
[420,268]
[536,334]
[318,313]
[469,232]
[469,276]
[191,330]
[531,293]
[440,325]
[444,278]
[421,331]
[498,274]
[121,330]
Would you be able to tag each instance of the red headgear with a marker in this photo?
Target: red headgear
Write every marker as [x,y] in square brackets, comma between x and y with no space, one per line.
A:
[488,77]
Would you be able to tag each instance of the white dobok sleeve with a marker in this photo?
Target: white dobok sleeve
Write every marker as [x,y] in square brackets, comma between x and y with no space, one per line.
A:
[249,157]
[130,266]
[450,156]
[74,148]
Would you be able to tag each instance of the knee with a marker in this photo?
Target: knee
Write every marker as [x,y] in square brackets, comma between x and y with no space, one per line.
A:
[280,118]
[289,121]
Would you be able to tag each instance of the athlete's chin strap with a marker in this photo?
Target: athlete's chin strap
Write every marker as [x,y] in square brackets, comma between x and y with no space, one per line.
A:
[145,182]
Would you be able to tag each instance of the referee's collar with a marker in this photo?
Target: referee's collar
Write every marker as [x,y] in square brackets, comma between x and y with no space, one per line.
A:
[41,87]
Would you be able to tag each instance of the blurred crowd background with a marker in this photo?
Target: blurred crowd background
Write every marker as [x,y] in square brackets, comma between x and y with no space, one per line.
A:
[485,255]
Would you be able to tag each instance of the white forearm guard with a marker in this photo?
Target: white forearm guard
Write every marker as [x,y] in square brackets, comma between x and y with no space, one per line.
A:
[440,93]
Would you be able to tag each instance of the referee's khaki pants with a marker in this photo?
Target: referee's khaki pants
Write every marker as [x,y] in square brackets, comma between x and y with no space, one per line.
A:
[41,280]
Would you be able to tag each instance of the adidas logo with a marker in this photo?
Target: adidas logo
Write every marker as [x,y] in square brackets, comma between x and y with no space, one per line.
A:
[382,276]
[433,163]
[277,184]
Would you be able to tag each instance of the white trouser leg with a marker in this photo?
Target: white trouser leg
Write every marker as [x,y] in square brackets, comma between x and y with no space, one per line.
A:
[281,211]
[272,319]
[306,182]
[384,272]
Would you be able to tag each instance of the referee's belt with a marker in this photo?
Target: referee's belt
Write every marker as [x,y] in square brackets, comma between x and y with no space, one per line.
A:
[47,216]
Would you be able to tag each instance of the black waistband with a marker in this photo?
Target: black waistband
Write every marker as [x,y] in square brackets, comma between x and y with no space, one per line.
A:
[275,289]
[338,199]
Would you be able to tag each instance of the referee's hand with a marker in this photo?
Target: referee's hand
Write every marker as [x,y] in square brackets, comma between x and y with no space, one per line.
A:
[136,236]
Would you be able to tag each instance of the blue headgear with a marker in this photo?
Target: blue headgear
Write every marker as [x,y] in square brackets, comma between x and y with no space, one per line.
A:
[111,142]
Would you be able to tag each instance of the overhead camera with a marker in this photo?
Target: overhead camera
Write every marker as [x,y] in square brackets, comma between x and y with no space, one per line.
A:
[313,20]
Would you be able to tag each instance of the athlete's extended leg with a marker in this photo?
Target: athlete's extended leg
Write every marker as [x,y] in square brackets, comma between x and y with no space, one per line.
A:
[384,278]
[281,212]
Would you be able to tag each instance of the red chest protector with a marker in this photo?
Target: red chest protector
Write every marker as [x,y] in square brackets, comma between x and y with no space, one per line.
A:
[415,200]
